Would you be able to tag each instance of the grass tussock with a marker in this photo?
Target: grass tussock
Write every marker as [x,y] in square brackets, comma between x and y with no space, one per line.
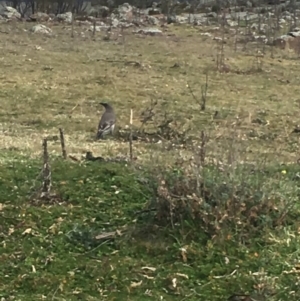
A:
[207,211]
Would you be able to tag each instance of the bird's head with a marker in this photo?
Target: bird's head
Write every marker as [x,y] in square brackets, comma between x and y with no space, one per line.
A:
[106,105]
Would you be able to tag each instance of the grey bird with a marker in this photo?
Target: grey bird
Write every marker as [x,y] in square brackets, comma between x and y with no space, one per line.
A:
[107,121]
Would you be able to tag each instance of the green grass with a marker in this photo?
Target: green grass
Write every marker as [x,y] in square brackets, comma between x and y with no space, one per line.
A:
[49,250]
[228,225]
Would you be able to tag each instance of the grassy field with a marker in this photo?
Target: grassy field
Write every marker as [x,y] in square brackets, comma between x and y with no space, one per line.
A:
[226,222]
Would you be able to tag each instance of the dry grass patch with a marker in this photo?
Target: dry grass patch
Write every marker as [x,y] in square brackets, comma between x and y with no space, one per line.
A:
[57,81]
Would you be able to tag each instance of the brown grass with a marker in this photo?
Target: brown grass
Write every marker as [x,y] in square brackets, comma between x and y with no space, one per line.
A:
[56,81]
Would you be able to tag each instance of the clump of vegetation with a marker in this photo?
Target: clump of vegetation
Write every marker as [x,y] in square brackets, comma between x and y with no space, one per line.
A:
[217,232]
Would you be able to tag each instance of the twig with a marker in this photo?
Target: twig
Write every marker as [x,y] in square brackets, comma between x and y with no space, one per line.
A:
[46,171]
[204,88]
[130,136]
[192,92]
[74,108]
[72,25]
[62,142]
[204,93]
[94,27]
[134,63]
[202,148]
[145,211]
[224,276]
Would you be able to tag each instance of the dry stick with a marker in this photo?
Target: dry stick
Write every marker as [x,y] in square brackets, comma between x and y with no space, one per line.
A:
[202,152]
[200,162]
[72,26]
[62,142]
[204,93]
[46,171]
[130,136]
[94,28]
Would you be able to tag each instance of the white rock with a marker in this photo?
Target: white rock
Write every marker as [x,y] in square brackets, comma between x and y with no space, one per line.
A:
[40,28]
[9,12]
[66,17]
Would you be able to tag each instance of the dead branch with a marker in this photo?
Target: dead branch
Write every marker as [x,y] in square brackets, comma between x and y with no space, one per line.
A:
[62,142]
[130,136]
[94,27]
[46,187]
[204,93]
[72,24]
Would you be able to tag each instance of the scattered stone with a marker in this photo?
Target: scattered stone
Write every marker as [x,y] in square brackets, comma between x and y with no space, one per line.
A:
[183,19]
[208,34]
[154,11]
[212,15]
[66,17]
[152,20]
[39,17]
[125,11]
[261,38]
[9,12]
[102,11]
[115,22]
[40,28]
[171,19]
[261,29]
[288,41]
[98,28]
[149,31]
[232,23]
[294,34]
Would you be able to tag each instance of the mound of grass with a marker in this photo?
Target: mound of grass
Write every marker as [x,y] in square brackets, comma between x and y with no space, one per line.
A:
[53,251]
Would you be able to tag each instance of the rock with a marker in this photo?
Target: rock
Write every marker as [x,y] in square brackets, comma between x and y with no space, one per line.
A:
[99,11]
[154,11]
[289,18]
[66,17]
[40,28]
[188,9]
[263,27]
[212,15]
[149,31]
[184,19]
[39,17]
[84,19]
[262,39]
[102,27]
[171,19]
[115,22]
[232,23]
[288,41]
[294,34]
[103,11]
[152,20]
[9,12]
[208,34]
[125,12]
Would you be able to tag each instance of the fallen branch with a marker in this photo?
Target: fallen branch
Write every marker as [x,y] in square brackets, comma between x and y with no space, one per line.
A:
[107,235]
[135,63]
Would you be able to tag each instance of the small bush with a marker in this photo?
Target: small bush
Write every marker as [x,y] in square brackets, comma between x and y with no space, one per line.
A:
[241,201]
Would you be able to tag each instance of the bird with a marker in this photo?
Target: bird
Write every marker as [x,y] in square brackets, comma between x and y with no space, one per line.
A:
[107,121]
